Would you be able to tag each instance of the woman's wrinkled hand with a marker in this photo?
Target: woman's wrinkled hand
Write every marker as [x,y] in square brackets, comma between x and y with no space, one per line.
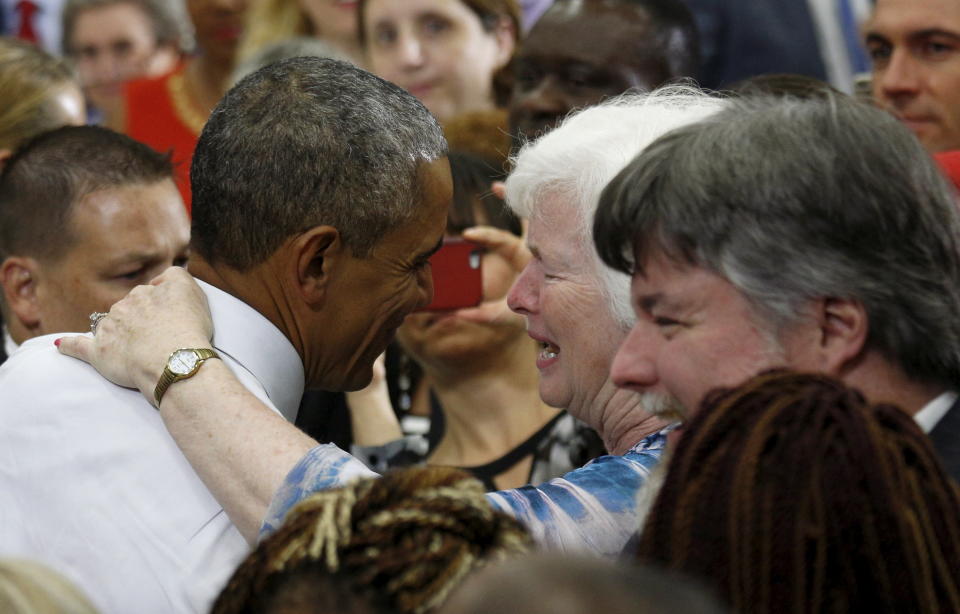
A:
[133,342]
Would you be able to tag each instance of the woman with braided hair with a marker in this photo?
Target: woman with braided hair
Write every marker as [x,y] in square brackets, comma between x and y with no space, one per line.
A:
[792,494]
[396,544]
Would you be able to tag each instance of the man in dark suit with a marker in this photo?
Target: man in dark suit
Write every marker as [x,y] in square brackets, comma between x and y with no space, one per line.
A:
[815,259]
[743,38]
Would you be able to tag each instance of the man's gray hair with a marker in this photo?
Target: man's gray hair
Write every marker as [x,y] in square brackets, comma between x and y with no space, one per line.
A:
[798,200]
[167,18]
[574,162]
[306,142]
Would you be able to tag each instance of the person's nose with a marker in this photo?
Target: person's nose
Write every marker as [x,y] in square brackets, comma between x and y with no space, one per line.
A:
[410,51]
[112,68]
[524,295]
[545,97]
[900,77]
[634,366]
[98,70]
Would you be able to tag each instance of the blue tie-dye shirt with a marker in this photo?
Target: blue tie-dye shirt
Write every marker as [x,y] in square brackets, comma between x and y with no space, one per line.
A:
[591,509]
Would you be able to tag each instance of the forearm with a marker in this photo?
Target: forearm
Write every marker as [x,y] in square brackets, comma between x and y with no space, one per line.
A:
[372,418]
[240,448]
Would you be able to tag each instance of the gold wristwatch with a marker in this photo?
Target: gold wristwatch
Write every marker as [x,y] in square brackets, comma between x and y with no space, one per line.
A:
[182,364]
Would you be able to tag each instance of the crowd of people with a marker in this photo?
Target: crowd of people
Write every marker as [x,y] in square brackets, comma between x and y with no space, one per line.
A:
[711,363]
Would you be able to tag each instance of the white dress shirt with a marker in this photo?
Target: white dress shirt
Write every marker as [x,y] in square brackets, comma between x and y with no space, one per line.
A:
[934,411]
[93,485]
[9,345]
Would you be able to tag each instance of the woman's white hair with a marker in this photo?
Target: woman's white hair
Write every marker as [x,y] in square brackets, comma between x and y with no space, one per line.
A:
[574,162]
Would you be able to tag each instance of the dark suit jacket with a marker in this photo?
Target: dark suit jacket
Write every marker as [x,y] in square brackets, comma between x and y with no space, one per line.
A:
[743,38]
[946,440]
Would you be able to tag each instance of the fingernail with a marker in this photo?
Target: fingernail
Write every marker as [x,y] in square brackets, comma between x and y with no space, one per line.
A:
[56,342]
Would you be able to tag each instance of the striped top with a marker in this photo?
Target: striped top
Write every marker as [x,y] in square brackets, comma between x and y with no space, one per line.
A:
[592,509]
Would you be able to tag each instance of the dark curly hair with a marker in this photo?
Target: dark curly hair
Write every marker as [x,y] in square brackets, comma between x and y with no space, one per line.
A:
[793,494]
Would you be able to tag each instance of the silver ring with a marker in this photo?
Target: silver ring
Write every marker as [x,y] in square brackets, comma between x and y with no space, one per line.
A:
[95,318]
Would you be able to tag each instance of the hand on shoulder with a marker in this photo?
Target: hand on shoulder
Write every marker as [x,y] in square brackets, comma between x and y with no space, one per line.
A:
[132,343]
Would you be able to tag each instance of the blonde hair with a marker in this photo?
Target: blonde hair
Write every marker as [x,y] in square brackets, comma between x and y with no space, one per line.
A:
[29,79]
[31,588]
[272,21]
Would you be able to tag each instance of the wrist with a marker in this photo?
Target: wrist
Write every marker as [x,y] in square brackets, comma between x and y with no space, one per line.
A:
[182,364]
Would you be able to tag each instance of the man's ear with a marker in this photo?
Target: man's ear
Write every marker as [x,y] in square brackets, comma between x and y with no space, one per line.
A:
[506,35]
[5,155]
[19,276]
[843,326]
[316,252]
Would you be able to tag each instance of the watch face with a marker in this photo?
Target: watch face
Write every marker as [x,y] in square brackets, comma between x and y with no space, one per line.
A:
[183,362]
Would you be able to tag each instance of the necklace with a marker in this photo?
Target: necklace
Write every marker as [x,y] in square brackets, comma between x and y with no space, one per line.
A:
[183,105]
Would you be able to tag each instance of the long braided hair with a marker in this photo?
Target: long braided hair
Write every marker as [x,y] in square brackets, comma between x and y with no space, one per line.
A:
[400,544]
[793,494]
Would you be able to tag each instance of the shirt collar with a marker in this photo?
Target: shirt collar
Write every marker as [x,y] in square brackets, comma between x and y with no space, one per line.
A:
[934,411]
[9,345]
[246,336]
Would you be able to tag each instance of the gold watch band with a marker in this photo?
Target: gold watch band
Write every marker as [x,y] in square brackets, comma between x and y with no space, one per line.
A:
[169,377]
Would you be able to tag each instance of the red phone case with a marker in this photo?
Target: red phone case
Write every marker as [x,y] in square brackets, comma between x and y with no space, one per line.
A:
[457,276]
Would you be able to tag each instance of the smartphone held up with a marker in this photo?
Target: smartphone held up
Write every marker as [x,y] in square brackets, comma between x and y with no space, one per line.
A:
[457,276]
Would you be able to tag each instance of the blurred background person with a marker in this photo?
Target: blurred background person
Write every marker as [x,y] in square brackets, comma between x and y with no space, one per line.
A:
[583,51]
[169,112]
[274,21]
[549,583]
[396,545]
[479,378]
[27,587]
[38,92]
[451,54]
[791,493]
[113,41]
[916,67]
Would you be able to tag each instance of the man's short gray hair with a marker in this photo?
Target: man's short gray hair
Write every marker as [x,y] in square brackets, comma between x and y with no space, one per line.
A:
[306,142]
[798,200]
[575,161]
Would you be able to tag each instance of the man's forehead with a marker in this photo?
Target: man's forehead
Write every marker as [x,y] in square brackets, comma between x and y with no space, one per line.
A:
[133,15]
[909,16]
[576,11]
[572,30]
[654,267]
[435,183]
[666,283]
[436,193]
